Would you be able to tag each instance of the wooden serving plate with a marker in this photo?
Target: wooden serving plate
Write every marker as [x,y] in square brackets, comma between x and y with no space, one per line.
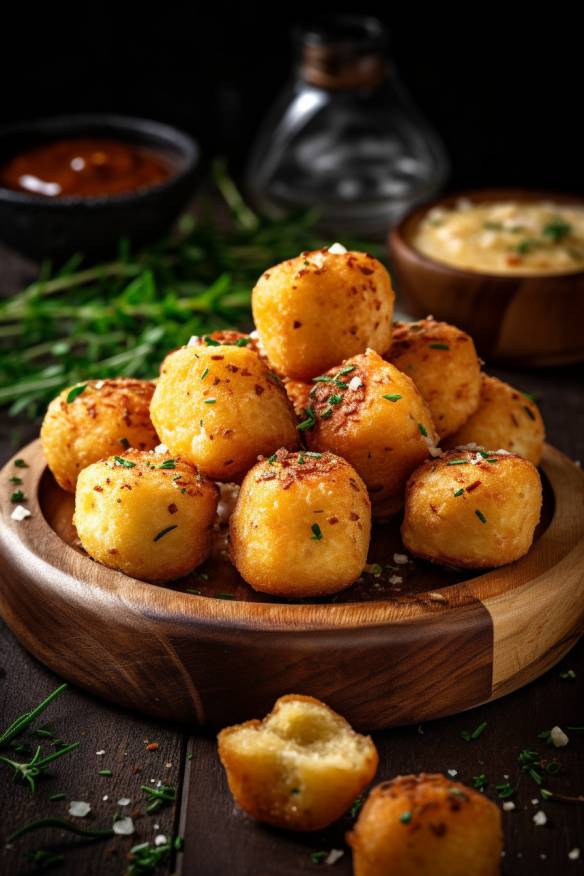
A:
[381,653]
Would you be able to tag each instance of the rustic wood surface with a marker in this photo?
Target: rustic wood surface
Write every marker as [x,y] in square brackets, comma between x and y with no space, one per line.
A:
[529,320]
[218,839]
[435,647]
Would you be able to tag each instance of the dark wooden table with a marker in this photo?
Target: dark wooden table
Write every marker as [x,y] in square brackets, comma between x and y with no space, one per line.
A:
[218,839]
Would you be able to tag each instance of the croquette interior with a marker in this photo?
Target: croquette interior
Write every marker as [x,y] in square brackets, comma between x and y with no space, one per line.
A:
[304,731]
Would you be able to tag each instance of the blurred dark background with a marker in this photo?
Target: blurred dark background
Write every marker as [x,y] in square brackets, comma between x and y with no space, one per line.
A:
[505,95]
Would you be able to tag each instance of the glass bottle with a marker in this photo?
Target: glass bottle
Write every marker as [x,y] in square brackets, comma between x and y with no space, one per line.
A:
[344,137]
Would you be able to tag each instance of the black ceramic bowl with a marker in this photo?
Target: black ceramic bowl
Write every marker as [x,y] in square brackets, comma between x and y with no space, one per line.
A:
[58,227]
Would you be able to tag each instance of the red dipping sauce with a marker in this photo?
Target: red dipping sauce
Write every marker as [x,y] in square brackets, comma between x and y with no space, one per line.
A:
[83,167]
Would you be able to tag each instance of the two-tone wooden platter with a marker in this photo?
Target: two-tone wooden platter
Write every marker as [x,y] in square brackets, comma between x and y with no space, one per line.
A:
[386,651]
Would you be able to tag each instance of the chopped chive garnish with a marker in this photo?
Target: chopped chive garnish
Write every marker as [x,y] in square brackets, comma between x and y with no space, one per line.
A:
[210,401]
[313,454]
[481,516]
[504,790]
[15,481]
[335,399]
[242,342]
[193,591]
[459,492]
[492,459]
[309,422]
[346,370]
[316,532]
[168,463]
[318,857]
[204,374]
[54,797]
[124,462]
[164,532]
[423,430]
[556,230]
[17,496]
[224,596]
[484,454]
[105,773]
[529,412]
[569,674]
[392,398]
[405,817]
[545,794]
[18,725]
[474,734]
[439,347]
[211,342]
[300,459]
[272,458]
[20,463]
[73,393]
[323,379]
[457,462]
[479,782]
[357,804]
[326,414]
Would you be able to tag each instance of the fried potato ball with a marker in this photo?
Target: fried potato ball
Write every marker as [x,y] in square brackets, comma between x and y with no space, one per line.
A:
[301,525]
[315,310]
[300,768]
[220,407]
[370,413]
[149,515]
[472,509]
[93,420]
[505,418]
[443,363]
[427,825]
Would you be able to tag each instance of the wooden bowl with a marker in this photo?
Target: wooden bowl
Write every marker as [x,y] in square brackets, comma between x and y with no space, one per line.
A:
[525,319]
[439,643]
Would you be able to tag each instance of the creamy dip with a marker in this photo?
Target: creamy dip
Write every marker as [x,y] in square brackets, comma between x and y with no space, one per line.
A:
[505,237]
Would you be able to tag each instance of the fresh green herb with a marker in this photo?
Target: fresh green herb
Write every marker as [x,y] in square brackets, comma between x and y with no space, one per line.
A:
[392,398]
[459,492]
[556,230]
[164,532]
[15,481]
[504,790]
[45,734]
[30,771]
[326,414]
[481,516]
[456,792]
[272,459]
[20,463]
[43,860]
[210,401]
[569,674]
[126,463]
[158,797]
[346,370]
[146,857]
[457,462]
[300,458]
[492,459]
[295,791]
[526,246]
[242,342]
[479,782]
[323,379]
[125,443]
[224,596]
[439,347]
[316,532]
[76,391]
[61,824]
[545,794]
[54,797]
[474,734]
[483,453]
[309,422]
[313,454]
[211,342]
[318,857]
[492,226]
[17,496]
[193,591]
[356,807]
[405,817]
[204,374]
[105,773]
[423,430]
[529,412]
[374,569]
[23,721]
[335,399]
[168,463]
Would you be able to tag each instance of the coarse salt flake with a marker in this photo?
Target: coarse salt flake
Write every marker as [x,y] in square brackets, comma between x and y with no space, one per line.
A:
[400,559]
[508,805]
[574,855]
[395,579]
[452,773]
[161,448]
[337,249]
[558,737]
[101,752]
[124,801]
[193,341]
[79,809]
[354,383]
[159,840]
[20,513]
[540,818]
[124,826]
[333,856]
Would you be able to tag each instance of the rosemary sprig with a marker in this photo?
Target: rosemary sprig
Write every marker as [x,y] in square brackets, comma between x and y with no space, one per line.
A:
[122,317]
[35,767]
[158,797]
[145,857]
[19,724]
[61,824]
